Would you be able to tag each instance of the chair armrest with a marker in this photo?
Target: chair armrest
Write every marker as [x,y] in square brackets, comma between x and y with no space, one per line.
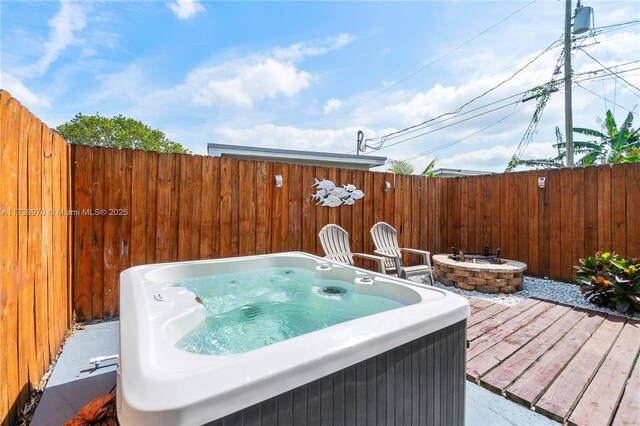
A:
[379,260]
[396,259]
[426,256]
[385,254]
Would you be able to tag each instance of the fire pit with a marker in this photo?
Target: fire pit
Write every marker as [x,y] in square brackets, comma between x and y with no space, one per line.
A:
[483,273]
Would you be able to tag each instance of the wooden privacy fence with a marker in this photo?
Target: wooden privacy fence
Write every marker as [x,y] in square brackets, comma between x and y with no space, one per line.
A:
[579,211]
[35,261]
[183,207]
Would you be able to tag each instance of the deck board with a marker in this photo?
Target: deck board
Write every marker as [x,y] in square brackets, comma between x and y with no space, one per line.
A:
[572,365]
[629,410]
[489,312]
[481,365]
[560,397]
[530,385]
[598,403]
[507,328]
[496,321]
[503,375]
[478,305]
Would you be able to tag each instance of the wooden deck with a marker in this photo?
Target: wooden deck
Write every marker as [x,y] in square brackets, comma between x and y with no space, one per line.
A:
[570,364]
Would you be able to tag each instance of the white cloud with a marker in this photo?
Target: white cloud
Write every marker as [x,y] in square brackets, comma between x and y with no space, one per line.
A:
[62,28]
[272,136]
[256,77]
[493,159]
[332,105]
[243,83]
[21,92]
[298,51]
[185,9]
[239,82]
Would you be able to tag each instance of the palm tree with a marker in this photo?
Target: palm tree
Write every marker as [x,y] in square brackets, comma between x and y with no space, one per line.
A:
[428,171]
[404,167]
[401,167]
[612,146]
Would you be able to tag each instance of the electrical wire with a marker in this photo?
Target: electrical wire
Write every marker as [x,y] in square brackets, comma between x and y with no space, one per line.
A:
[439,58]
[577,81]
[410,129]
[459,115]
[613,103]
[378,125]
[457,141]
[636,21]
[444,127]
[611,72]
[383,139]
[530,132]
[556,83]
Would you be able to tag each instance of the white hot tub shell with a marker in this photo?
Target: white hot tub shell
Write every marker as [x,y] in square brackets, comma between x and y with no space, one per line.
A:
[160,384]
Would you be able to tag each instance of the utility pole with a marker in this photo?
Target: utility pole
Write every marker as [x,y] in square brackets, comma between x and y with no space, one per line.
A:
[568,113]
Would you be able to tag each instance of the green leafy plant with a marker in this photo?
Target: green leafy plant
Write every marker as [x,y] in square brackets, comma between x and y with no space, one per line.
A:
[401,167]
[610,145]
[117,132]
[428,171]
[608,279]
[406,167]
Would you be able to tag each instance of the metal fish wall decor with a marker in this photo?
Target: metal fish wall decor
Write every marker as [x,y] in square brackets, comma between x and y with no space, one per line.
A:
[329,195]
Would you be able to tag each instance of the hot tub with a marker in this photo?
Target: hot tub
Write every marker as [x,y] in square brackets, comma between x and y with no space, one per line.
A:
[287,338]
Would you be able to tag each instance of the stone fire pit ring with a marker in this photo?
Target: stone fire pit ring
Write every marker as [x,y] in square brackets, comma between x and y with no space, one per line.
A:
[480,276]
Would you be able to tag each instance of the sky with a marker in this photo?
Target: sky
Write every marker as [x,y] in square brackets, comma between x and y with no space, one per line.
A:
[309,75]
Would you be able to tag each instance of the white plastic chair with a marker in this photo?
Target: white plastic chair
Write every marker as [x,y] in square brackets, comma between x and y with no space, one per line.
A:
[335,243]
[385,239]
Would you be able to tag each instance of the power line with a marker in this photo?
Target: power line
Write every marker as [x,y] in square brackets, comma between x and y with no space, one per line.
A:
[392,135]
[628,23]
[530,132]
[458,115]
[421,126]
[602,97]
[378,125]
[387,136]
[449,144]
[445,96]
[608,69]
[434,122]
[429,64]
[457,141]
[446,126]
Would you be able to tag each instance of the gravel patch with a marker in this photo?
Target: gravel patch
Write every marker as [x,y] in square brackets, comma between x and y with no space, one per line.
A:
[534,287]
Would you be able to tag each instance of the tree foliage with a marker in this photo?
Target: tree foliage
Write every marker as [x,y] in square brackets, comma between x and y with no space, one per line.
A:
[401,167]
[610,145]
[117,132]
[428,171]
[405,167]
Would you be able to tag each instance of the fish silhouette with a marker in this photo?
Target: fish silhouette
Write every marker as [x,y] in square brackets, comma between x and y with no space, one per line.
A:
[320,194]
[323,184]
[330,201]
[357,194]
[349,201]
[339,192]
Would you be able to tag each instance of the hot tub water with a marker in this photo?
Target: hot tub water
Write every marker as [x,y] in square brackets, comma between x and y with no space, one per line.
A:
[249,310]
